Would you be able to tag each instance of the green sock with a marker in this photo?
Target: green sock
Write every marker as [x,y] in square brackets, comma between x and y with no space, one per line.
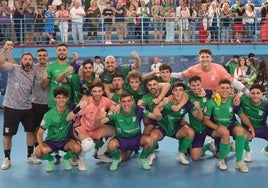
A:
[205,148]
[246,146]
[179,144]
[115,153]
[224,150]
[185,144]
[239,147]
[68,155]
[47,157]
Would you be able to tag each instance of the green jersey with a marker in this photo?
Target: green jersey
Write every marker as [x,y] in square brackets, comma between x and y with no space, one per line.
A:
[56,125]
[256,114]
[223,114]
[88,84]
[232,66]
[54,70]
[137,95]
[197,124]
[106,77]
[73,80]
[128,126]
[171,119]
[148,102]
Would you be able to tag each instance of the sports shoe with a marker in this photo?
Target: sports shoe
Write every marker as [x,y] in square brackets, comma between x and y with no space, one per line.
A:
[6,164]
[33,159]
[144,164]
[232,145]
[241,166]
[221,164]
[181,157]
[264,152]
[247,157]
[50,165]
[103,158]
[212,147]
[82,164]
[114,165]
[150,158]
[67,164]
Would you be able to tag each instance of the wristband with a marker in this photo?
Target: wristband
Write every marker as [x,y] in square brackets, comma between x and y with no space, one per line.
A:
[76,109]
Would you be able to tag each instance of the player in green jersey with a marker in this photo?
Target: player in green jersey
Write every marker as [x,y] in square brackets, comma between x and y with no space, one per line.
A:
[221,118]
[256,108]
[127,123]
[199,97]
[58,133]
[170,124]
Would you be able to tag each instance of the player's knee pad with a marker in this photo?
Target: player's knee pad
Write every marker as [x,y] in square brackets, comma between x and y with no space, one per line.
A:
[87,144]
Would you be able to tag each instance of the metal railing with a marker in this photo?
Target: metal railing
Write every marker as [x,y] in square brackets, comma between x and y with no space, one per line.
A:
[136,30]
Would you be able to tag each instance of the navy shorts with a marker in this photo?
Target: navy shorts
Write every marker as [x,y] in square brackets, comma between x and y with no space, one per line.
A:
[57,145]
[132,144]
[199,138]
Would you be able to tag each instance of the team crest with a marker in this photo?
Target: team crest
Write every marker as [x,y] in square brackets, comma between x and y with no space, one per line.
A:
[260,113]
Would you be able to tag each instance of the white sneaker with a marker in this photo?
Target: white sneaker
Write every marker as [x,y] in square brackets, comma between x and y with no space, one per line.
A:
[150,158]
[33,160]
[103,158]
[247,157]
[181,157]
[81,164]
[241,166]
[221,164]
[6,164]
[212,147]
[264,152]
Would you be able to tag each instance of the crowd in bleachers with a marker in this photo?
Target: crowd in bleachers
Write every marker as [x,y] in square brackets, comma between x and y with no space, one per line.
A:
[46,21]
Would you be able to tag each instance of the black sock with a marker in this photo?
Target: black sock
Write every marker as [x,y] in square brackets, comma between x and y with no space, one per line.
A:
[7,153]
[30,150]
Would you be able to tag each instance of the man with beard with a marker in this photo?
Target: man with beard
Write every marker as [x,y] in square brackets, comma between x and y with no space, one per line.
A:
[39,94]
[87,110]
[110,67]
[17,104]
[53,70]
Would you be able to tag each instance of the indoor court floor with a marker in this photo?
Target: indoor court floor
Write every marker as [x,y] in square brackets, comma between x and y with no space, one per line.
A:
[165,171]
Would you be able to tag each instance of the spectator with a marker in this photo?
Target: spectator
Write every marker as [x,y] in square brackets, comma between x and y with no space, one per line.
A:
[76,14]
[158,17]
[93,15]
[144,12]
[5,21]
[107,16]
[18,17]
[29,11]
[39,24]
[62,19]
[225,16]
[170,19]
[119,24]
[49,23]
[131,22]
